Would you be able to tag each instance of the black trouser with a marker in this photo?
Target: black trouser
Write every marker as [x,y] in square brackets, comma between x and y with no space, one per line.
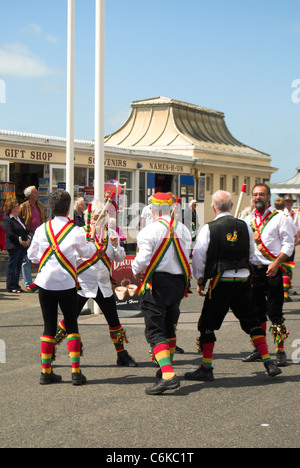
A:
[268,295]
[107,305]
[67,300]
[237,296]
[161,307]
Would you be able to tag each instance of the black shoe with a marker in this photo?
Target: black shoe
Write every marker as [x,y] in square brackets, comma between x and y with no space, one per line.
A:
[163,386]
[78,378]
[201,374]
[125,360]
[254,356]
[281,360]
[288,299]
[272,369]
[179,350]
[47,379]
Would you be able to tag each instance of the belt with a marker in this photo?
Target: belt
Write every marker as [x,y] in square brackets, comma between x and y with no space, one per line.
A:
[260,267]
[165,273]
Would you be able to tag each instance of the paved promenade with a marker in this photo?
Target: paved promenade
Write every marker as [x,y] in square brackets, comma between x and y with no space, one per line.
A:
[243,407]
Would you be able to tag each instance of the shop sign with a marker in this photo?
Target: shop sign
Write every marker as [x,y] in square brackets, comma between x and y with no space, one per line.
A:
[21,154]
[166,167]
[125,284]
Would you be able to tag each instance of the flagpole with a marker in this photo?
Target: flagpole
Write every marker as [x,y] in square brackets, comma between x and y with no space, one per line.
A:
[99,100]
[70,104]
[99,107]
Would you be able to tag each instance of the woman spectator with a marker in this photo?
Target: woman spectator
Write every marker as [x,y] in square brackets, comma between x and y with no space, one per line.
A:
[17,242]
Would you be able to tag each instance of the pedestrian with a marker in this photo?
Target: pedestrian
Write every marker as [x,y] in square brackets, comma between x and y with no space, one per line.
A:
[288,210]
[191,220]
[79,208]
[17,242]
[34,215]
[163,260]
[54,247]
[222,255]
[94,275]
[274,244]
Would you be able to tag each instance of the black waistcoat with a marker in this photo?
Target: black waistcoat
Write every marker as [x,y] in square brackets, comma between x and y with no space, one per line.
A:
[229,246]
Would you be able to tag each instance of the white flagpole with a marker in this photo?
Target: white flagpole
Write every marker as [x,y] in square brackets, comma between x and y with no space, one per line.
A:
[70,104]
[99,99]
[99,107]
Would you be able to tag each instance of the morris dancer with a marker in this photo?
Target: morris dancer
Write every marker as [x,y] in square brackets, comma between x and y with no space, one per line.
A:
[287,275]
[94,275]
[274,244]
[53,247]
[163,258]
[294,216]
[222,253]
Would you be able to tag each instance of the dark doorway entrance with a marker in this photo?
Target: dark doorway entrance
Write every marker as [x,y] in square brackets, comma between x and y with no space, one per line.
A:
[25,175]
[163,183]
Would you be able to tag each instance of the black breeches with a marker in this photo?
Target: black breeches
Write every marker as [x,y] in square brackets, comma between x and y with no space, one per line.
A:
[238,297]
[107,305]
[67,300]
[268,296]
[161,307]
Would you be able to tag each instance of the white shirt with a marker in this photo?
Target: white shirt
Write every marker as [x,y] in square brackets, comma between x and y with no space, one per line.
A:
[200,253]
[53,276]
[277,236]
[150,238]
[97,276]
[292,218]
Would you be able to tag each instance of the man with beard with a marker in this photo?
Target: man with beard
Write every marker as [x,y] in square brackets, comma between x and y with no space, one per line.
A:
[274,244]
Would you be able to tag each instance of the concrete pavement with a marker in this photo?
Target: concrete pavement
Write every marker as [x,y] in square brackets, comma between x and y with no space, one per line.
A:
[243,407]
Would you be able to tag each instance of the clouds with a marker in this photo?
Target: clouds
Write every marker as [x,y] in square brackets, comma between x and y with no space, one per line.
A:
[17,60]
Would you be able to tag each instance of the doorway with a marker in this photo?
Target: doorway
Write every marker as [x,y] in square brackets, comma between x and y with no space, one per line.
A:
[25,175]
[163,183]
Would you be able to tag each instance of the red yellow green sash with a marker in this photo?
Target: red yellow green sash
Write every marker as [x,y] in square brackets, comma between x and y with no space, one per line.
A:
[95,258]
[54,249]
[258,230]
[170,238]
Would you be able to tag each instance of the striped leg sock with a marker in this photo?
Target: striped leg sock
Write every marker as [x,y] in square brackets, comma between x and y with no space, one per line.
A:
[162,355]
[118,337]
[286,284]
[280,334]
[47,347]
[61,332]
[260,344]
[207,351]
[74,347]
[172,346]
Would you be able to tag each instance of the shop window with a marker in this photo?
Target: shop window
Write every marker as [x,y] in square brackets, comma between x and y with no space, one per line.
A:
[3,172]
[80,176]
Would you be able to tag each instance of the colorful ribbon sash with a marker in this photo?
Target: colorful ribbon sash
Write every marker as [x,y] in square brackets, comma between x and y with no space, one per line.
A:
[54,249]
[95,258]
[170,238]
[258,230]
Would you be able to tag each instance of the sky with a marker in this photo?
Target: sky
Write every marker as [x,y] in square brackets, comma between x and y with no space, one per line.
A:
[240,57]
